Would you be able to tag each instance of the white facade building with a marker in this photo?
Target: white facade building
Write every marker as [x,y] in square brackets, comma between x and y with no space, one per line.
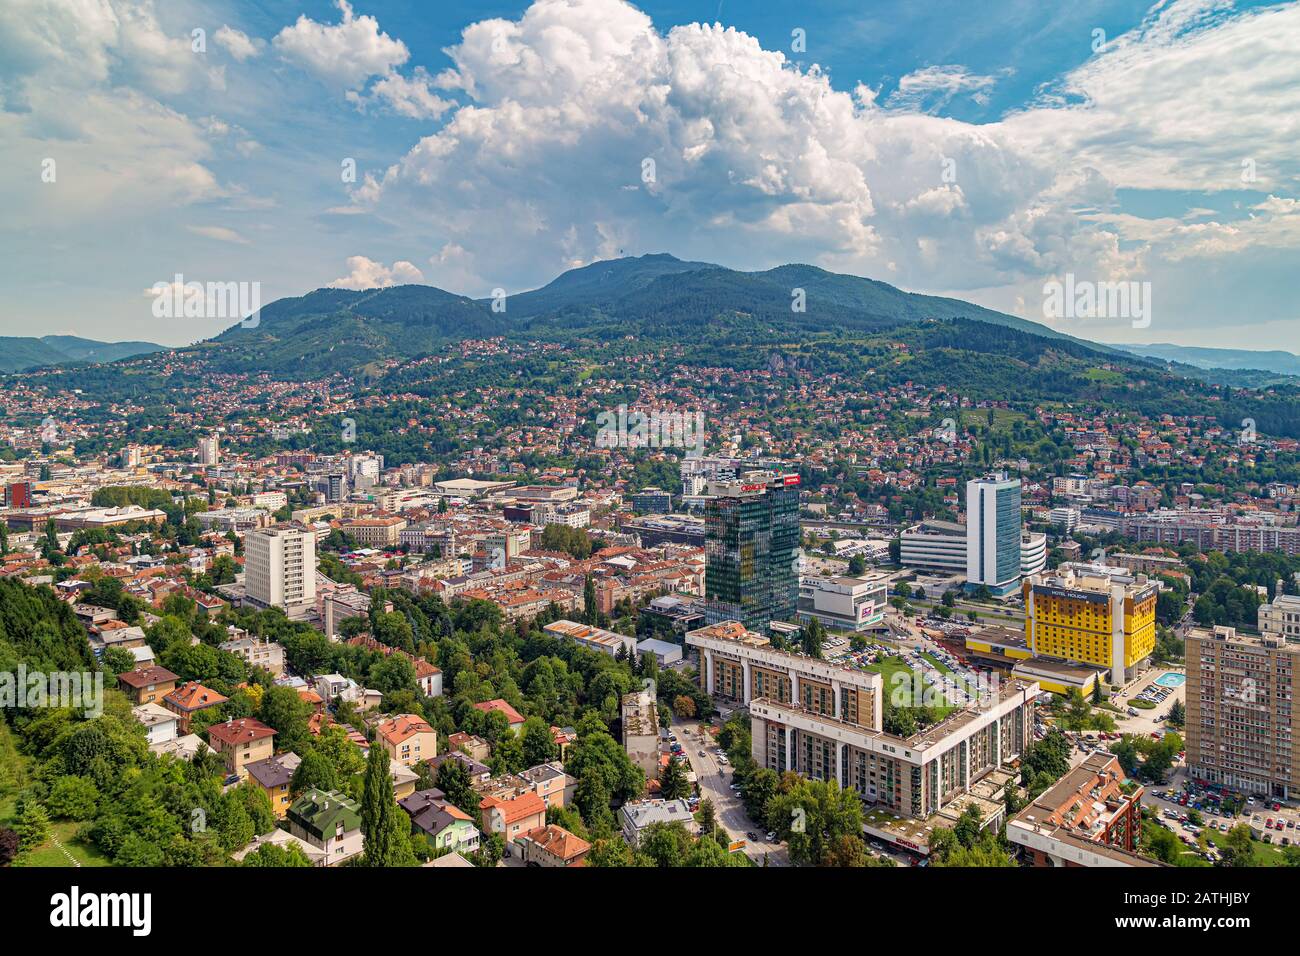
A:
[280,566]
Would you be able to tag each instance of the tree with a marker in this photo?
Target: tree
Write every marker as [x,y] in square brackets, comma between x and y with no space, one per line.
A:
[857,565]
[590,611]
[384,826]
[272,854]
[9,844]
[284,710]
[1238,848]
[683,707]
[73,798]
[117,660]
[33,827]
[538,743]
[814,636]
[672,781]
[316,772]
[708,816]
[1177,714]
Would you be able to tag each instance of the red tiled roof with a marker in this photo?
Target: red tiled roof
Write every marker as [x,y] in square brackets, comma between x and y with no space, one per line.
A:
[502,705]
[239,731]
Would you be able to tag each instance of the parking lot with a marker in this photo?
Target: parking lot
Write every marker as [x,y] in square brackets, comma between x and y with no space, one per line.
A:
[1138,720]
[1180,803]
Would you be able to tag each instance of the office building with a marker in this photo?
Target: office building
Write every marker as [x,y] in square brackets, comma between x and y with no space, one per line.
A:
[1241,720]
[751,550]
[853,604]
[19,495]
[1033,553]
[280,566]
[652,501]
[936,545]
[1066,519]
[1092,614]
[993,533]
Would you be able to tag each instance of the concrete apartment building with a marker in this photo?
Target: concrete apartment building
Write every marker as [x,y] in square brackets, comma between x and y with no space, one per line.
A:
[1085,819]
[1241,721]
[854,604]
[915,777]
[280,566]
[1092,614]
[740,666]
[641,731]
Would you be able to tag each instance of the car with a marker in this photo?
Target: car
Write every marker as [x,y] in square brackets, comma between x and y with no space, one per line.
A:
[702,753]
[771,836]
[752,835]
[1290,824]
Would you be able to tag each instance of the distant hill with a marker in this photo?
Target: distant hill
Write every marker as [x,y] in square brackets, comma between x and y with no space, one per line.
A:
[1277,361]
[19,353]
[653,296]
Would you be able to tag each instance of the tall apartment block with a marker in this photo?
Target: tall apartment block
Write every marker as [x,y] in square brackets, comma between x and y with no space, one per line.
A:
[1091,614]
[825,721]
[751,548]
[209,450]
[993,533]
[280,566]
[1241,721]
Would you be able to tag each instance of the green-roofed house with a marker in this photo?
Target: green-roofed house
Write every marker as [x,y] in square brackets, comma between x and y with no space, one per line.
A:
[329,820]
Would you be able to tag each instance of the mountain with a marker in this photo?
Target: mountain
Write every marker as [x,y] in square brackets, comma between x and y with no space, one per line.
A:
[1277,361]
[652,296]
[19,353]
[339,330]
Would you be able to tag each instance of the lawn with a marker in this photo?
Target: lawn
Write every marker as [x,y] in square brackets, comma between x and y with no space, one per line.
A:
[939,665]
[13,777]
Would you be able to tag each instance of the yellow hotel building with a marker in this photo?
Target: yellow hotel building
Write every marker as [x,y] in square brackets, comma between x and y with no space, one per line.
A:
[1092,614]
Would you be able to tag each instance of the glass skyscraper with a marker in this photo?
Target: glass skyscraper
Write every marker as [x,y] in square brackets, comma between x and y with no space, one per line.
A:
[751,546]
[993,532]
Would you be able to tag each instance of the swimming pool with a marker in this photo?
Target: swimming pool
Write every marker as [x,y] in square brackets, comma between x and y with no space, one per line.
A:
[1170,680]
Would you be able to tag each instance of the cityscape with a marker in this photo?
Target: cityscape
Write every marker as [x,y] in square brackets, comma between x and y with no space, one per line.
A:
[623,507]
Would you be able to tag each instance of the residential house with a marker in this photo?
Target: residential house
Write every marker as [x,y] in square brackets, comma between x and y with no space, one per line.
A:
[241,742]
[408,739]
[443,824]
[159,723]
[329,821]
[551,783]
[552,845]
[189,699]
[147,685]
[274,775]
[476,747]
[514,816]
[515,718]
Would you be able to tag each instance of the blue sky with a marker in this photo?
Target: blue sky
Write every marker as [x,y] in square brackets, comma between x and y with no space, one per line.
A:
[973,150]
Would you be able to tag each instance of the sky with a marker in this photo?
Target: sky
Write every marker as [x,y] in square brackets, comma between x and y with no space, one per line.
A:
[978,150]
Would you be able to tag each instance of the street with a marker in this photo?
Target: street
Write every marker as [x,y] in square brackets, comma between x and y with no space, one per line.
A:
[715,780]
